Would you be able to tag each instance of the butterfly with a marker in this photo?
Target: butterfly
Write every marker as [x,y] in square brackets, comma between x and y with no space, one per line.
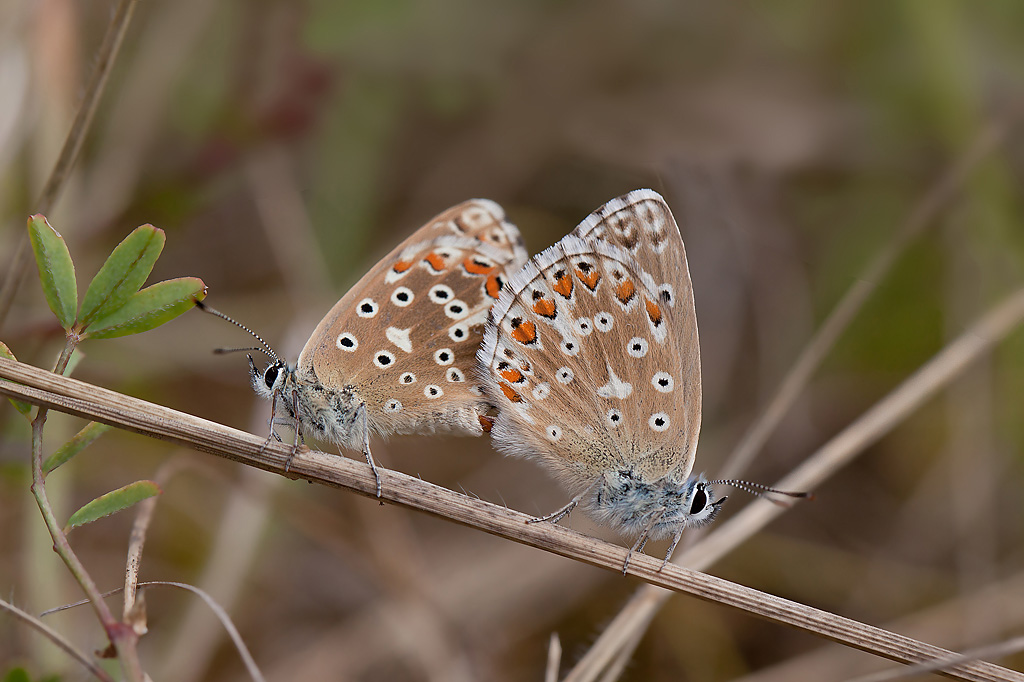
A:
[592,358]
[395,354]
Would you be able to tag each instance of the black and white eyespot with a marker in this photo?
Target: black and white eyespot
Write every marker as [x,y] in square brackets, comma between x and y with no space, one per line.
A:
[637,347]
[659,421]
[432,391]
[458,332]
[663,382]
[367,308]
[541,391]
[570,348]
[455,375]
[667,294]
[456,309]
[604,322]
[614,418]
[392,406]
[583,326]
[407,378]
[441,293]
[564,375]
[402,296]
[477,391]
[383,359]
[553,433]
[347,341]
[444,356]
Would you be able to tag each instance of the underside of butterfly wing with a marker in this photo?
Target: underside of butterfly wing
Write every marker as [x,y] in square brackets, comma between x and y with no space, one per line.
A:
[642,224]
[403,339]
[591,369]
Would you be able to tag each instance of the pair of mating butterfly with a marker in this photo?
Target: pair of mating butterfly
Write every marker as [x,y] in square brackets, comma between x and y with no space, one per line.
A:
[589,353]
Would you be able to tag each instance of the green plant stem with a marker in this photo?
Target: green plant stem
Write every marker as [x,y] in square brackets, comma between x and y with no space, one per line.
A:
[122,637]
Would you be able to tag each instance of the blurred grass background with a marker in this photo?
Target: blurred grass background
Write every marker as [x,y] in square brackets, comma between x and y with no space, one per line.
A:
[284,146]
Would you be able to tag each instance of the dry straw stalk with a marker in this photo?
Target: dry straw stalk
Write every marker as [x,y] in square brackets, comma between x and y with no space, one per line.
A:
[92,402]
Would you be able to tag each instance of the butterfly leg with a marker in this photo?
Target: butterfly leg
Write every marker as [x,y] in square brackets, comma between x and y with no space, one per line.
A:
[560,514]
[366,447]
[641,541]
[298,432]
[671,548]
[270,423]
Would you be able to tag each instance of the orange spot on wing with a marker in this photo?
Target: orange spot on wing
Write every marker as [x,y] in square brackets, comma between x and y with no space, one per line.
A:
[402,266]
[486,422]
[545,307]
[493,286]
[475,268]
[435,261]
[524,332]
[513,376]
[624,292]
[563,286]
[590,278]
[653,311]
[511,394]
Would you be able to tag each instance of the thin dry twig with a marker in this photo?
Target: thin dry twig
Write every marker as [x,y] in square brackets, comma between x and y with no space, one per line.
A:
[85,400]
[839,451]
[223,617]
[1010,646]
[846,310]
[104,62]
[137,541]
[554,658]
[59,640]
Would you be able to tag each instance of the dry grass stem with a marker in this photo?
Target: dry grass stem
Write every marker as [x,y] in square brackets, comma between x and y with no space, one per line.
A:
[225,620]
[137,540]
[937,622]
[554,658]
[85,400]
[999,650]
[57,639]
[865,285]
[57,180]
[836,453]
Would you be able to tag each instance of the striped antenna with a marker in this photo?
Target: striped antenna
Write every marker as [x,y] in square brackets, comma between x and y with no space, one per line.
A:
[264,347]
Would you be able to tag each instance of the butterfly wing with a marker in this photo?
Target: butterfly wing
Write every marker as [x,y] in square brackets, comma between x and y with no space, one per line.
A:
[403,339]
[592,367]
[642,224]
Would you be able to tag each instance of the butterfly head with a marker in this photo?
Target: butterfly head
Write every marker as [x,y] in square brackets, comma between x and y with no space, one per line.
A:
[698,505]
[664,507]
[272,380]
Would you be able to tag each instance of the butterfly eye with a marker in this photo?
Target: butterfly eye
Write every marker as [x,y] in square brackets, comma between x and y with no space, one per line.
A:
[700,500]
[270,376]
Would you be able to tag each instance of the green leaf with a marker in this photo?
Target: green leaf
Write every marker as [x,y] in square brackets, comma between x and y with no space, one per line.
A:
[79,442]
[17,675]
[149,308]
[112,502]
[123,274]
[24,408]
[56,270]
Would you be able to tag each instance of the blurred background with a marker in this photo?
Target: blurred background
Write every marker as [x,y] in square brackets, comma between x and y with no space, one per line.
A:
[285,146]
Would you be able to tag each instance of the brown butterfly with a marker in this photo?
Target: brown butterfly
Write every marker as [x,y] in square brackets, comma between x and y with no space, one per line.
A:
[396,353]
[592,358]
